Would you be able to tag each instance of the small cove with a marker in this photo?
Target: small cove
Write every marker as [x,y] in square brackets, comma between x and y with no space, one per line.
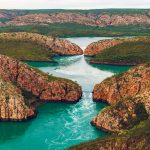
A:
[60,125]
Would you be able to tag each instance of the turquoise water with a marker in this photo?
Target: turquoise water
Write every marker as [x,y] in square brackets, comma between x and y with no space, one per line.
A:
[60,125]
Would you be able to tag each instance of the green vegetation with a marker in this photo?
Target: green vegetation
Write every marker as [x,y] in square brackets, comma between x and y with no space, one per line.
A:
[25,51]
[126,53]
[142,128]
[94,11]
[77,30]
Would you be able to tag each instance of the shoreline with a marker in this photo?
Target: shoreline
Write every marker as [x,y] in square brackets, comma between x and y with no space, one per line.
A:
[113,64]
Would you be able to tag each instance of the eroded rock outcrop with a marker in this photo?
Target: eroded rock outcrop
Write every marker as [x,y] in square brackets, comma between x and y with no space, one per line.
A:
[31,85]
[12,103]
[129,96]
[60,46]
[100,46]
[125,114]
[130,83]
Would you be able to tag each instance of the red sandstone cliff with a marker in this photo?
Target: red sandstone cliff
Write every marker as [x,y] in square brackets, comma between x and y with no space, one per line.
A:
[12,103]
[130,83]
[129,96]
[26,81]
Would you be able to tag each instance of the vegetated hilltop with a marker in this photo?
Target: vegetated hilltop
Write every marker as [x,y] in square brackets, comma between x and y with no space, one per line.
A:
[120,51]
[105,22]
[128,114]
[35,47]
[22,87]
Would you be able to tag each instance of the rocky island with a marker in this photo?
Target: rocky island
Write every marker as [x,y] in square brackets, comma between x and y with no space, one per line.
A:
[23,86]
[120,51]
[35,47]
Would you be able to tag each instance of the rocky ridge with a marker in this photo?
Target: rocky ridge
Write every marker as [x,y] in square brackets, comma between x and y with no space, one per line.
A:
[30,86]
[101,20]
[100,46]
[60,46]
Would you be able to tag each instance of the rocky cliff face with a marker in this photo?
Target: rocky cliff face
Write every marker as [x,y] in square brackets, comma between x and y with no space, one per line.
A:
[65,47]
[33,85]
[98,47]
[101,19]
[125,114]
[12,103]
[130,83]
[62,47]
[129,96]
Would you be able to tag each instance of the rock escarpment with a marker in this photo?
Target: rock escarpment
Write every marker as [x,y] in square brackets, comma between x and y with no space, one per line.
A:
[130,83]
[30,86]
[100,46]
[50,44]
[129,96]
[99,19]
[12,103]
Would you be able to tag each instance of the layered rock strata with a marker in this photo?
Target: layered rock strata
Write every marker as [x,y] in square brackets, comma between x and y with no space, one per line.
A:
[13,105]
[29,86]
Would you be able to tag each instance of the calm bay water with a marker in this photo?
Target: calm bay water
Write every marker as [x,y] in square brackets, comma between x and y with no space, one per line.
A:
[60,125]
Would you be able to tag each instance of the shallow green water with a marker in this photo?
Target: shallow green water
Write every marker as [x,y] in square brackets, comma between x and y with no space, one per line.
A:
[60,125]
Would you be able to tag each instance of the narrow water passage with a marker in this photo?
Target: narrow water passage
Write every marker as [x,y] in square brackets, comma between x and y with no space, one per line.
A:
[60,125]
